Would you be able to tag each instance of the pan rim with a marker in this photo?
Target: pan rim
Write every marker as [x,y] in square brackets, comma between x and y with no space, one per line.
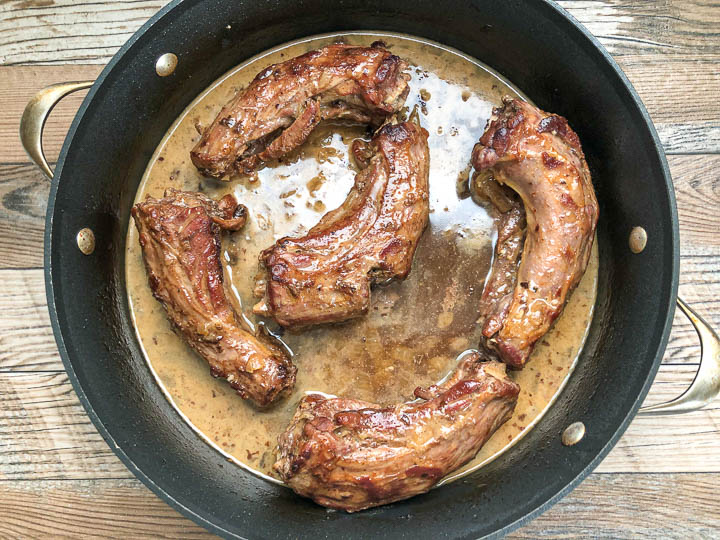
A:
[167,497]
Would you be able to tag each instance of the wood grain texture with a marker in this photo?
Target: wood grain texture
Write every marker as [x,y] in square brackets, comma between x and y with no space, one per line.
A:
[18,85]
[633,506]
[26,339]
[686,138]
[24,190]
[24,193]
[664,27]
[91,31]
[68,31]
[603,506]
[45,434]
[78,509]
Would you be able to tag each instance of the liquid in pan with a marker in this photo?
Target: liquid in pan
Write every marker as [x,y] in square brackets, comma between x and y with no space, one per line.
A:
[415,329]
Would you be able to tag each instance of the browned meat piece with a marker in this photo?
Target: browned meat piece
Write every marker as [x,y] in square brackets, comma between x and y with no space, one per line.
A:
[500,285]
[326,275]
[538,156]
[284,103]
[180,240]
[352,455]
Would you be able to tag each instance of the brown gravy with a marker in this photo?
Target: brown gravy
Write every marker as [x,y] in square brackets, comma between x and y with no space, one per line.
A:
[415,329]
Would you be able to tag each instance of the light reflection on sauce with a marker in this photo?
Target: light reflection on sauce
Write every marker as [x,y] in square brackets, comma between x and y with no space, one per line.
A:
[414,330]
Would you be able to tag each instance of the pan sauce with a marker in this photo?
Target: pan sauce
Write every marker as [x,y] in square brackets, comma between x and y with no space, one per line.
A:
[415,329]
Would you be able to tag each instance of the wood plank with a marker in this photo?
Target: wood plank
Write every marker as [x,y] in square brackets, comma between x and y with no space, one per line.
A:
[678,92]
[24,191]
[80,509]
[689,138]
[18,85]
[68,31]
[603,506]
[26,338]
[45,434]
[26,342]
[633,506]
[697,189]
[671,86]
[627,27]
[90,31]
[24,194]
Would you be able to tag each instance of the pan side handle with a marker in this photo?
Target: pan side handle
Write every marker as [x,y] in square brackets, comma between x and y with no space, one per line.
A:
[36,113]
[706,385]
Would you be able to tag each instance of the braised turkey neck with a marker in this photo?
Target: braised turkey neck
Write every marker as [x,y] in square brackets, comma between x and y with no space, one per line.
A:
[539,156]
[326,275]
[351,455]
[180,239]
[286,101]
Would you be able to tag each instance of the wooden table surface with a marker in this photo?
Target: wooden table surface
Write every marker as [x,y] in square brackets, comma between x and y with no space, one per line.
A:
[57,475]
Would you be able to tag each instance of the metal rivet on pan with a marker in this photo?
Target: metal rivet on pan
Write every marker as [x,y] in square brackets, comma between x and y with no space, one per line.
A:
[86,241]
[573,434]
[637,240]
[166,64]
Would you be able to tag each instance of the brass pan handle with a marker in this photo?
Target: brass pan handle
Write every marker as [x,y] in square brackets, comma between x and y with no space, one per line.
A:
[36,113]
[706,385]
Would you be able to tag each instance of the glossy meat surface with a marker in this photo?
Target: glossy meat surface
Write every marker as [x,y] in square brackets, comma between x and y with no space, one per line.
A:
[284,103]
[509,214]
[326,275]
[539,156]
[351,455]
[180,240]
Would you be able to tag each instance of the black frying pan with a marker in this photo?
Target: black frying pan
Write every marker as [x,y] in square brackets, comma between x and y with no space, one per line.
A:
[535,45]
